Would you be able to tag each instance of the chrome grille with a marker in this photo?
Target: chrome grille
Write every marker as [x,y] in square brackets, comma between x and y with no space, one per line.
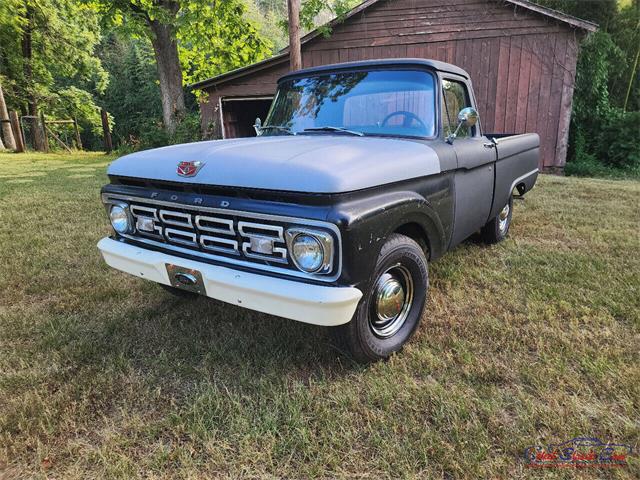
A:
[256,240]
[221,234]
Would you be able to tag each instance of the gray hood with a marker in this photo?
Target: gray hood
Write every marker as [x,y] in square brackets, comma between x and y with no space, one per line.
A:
[309,163]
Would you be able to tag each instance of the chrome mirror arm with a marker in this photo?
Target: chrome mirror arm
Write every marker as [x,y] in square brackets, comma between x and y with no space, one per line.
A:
[258,126]
[454,135]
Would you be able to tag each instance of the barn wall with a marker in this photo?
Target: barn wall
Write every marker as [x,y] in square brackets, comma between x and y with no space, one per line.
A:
[522,64]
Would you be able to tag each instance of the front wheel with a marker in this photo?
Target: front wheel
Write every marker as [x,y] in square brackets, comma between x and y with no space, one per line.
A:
[390,311]
[497,228]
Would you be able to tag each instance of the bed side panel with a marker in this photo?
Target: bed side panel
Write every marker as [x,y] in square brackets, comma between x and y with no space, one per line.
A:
[517,162]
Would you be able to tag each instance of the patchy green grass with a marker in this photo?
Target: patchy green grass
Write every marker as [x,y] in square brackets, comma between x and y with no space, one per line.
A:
[589,166]
[103,375]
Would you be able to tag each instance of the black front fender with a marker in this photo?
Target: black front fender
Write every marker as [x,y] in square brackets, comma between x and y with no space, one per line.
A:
[367,221]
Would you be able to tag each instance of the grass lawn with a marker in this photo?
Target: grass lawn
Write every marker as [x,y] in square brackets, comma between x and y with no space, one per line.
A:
[533,341]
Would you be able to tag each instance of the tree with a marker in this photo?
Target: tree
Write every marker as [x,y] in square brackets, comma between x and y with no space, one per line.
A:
[607,90]
[6,127]
[191,39]
[47,46]
[295,54]
[133,94]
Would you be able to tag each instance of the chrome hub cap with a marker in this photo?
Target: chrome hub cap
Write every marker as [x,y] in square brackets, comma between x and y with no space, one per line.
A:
[393,297]
[503,218]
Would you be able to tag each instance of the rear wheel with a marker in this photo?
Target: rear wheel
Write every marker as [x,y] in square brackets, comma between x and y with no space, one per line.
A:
[390,311]
[497,228]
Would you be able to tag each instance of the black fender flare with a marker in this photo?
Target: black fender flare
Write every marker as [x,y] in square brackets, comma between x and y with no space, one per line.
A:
[366,224]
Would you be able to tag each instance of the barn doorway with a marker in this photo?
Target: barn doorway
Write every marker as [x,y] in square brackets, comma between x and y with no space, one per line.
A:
[239,115]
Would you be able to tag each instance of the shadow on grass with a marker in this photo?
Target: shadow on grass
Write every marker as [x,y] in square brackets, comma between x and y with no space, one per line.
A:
[176,342]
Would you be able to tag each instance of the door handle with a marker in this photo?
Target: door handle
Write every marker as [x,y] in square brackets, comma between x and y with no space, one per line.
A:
[489,145]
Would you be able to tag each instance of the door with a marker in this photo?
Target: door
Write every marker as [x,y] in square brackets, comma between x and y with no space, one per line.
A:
[476,159]
[239,115]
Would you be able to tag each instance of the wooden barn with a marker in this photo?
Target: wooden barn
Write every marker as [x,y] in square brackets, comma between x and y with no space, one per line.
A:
[521,58]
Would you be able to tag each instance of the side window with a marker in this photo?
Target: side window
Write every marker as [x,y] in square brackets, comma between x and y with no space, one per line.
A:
[455,98]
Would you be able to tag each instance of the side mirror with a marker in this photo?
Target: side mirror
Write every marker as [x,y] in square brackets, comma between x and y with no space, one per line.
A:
[468,117]
[258,126]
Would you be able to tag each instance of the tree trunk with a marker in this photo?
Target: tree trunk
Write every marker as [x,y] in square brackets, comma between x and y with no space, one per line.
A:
[631,77]
[27,54]
[295,54]
[169,73]
[6,125]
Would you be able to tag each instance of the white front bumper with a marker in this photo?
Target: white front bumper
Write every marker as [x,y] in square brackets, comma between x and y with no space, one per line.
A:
[316,304]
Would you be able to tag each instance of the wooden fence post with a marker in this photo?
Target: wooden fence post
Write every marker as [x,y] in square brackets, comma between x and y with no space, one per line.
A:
[45,137]
[17,131]
[77,132]
[108,145]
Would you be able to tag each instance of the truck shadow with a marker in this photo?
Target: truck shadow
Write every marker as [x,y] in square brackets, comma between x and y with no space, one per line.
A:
[195,340]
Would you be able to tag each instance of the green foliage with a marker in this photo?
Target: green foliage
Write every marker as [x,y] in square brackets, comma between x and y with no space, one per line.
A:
[619,141]
[62,76]
[267,16]
[601,132]
[604,136]
[213,39]
[133,95]
[592,102]
[64,34]
[316,13]
[626,33]
[602,12]
[213,35]
[188,130]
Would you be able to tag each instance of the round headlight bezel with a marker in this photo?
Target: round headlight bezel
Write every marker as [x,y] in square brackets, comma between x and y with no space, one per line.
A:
[299,260]
[321,238]
[124,215]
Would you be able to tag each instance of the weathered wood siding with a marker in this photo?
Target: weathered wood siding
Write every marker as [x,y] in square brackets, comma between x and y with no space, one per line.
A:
[522,64]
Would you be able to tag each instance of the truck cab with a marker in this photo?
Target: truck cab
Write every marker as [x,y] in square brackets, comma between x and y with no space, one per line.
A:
[361,175]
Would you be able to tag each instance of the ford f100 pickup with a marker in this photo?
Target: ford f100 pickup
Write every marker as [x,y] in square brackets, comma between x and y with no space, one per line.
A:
[361,175]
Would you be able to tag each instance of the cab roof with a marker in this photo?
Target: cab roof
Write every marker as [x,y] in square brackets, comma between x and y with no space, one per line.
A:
[382,63]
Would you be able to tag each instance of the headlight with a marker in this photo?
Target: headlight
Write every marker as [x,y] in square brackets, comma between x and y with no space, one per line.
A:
[120,219]
[307,252]
[311,250]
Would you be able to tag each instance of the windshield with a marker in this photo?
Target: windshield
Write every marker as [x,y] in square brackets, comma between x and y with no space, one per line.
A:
[386,102]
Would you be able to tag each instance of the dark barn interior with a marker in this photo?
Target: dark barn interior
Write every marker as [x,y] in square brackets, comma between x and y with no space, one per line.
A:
[240,115]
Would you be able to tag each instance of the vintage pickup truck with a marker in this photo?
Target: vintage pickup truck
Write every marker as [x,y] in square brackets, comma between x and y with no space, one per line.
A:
[361,174]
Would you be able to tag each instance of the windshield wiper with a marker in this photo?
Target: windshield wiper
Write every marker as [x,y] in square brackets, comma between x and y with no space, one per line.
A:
[329,128]
[279,128]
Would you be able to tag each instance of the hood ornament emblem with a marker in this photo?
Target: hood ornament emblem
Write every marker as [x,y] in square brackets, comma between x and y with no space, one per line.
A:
[189,169]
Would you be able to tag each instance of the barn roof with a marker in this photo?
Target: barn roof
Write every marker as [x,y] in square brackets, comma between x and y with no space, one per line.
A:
[283,55]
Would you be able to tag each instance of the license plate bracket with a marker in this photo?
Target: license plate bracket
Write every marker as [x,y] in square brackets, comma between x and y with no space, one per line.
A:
[185,279]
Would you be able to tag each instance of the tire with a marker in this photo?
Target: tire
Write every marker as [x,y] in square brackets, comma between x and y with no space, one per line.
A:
[497,228]
[179,293]
[374,333]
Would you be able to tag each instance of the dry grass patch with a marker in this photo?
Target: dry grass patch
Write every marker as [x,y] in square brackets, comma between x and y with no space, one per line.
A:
[533,341]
